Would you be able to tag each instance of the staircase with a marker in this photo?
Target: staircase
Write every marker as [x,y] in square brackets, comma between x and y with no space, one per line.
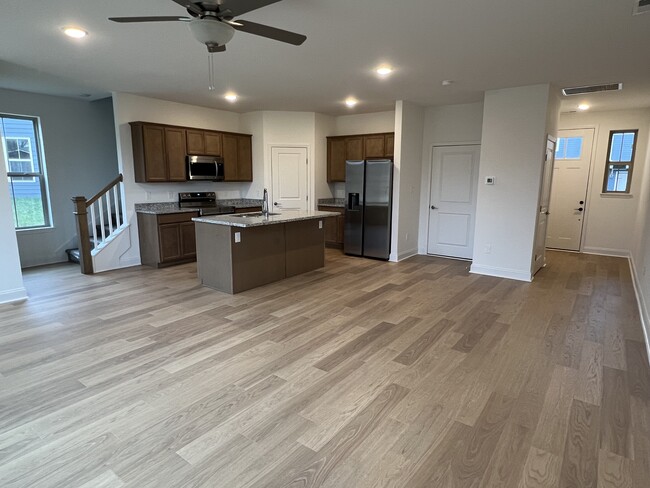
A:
[100,220]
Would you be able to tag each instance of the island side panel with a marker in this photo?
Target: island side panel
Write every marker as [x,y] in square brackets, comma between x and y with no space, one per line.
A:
[305,246]
[259,258]
[214,256]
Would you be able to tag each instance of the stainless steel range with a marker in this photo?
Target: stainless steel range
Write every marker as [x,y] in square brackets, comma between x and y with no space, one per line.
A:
[203,201]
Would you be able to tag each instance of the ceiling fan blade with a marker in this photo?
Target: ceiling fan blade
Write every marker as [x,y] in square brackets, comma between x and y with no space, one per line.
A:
[235,8]
[126,20]
[270,32]
[189,6]
[216,48]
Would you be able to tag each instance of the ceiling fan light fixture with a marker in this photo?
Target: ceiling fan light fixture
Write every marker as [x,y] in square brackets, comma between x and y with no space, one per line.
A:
[211,32]
[231,97]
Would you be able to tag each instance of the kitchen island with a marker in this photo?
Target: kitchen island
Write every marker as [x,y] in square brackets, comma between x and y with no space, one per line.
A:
[239,252]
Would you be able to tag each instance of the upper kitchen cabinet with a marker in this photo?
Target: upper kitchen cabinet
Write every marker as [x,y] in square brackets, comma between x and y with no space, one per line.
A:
[158,153]
[237,157]
[355,147]
[204,142]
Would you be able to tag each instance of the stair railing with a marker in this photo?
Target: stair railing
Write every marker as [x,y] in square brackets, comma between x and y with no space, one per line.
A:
[107,215]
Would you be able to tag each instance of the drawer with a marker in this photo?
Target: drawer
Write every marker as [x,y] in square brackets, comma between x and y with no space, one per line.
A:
[176,217]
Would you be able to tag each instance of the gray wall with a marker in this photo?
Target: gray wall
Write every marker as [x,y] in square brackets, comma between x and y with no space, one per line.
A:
[80,157]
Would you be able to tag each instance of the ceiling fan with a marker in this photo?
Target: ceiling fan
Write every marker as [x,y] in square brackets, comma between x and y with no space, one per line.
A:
[212,22]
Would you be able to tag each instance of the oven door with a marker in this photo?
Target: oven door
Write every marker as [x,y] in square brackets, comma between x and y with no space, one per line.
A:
[205,168]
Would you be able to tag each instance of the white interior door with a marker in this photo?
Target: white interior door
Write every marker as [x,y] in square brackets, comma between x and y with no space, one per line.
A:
[290,178]
[539,258]
[569,193]
[452,203]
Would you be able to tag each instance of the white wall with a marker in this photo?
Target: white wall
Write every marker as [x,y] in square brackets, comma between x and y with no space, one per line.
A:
[324,127]
[640,256]
[11,278]
[512,150]
[364,123]
[80,158]
[409,126]
[611,220]
[290,129]
[447,125]
[129,108]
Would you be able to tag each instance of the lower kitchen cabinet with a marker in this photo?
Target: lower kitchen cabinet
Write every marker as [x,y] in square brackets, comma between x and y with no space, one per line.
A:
[334,226]
[167,239]
[248,209]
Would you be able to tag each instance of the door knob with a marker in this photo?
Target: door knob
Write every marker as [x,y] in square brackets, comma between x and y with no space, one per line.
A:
[579,209]
[547,213]
[581,202]
[433,207]
[275,204]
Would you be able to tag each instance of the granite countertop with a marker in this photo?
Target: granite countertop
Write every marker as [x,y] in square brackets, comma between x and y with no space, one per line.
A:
[332,202]
[240,220]
[173,207]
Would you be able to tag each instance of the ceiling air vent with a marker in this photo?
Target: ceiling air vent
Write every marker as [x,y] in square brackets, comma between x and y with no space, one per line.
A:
[641,7]
[581,90]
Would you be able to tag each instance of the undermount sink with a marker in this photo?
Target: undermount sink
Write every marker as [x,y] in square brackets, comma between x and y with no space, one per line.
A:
[256,214]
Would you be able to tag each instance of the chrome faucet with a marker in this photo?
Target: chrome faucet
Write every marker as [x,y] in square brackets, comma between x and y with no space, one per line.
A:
[265,203]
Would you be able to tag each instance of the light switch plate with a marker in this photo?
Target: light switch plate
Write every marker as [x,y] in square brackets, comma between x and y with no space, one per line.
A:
[237,237]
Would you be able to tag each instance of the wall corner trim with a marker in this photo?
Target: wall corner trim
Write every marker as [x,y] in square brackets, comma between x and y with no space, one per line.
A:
[641,303]
[407,254]
[511,274]
[14,295]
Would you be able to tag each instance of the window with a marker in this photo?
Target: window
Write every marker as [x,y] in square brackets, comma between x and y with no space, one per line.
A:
[25,171]
[620,161]
[568,148]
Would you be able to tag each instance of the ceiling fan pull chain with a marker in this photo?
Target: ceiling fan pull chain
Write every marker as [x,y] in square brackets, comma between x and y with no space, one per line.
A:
[211,71]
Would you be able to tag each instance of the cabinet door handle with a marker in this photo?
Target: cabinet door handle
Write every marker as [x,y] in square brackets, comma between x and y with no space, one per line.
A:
[433,207]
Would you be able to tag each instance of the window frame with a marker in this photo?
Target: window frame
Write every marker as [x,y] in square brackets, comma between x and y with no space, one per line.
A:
[41,175]
[628,185]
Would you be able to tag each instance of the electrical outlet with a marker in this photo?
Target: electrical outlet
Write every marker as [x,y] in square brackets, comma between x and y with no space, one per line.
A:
[320,224]
[237,237]
[406,237]
[148,195]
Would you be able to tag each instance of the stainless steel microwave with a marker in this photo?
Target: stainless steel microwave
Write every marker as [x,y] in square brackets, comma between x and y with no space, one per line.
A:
[205,168]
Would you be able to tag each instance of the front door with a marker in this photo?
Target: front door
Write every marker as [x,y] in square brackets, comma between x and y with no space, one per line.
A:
[539,258]
[569,193]
[289,178]
[452,202]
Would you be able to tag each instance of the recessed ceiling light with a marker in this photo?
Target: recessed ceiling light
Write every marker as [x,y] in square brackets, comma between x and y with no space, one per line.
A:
[351,101]
[447,82]
[75,32]
[583,106]
[231,97]
[384,70]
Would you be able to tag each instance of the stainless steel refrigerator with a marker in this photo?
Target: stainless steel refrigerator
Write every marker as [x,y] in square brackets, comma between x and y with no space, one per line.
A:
[369,202]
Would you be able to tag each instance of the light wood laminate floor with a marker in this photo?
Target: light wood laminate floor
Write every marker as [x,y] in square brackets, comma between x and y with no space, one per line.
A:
[362,374]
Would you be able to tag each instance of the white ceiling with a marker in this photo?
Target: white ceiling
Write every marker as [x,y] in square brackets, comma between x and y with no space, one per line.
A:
[482,45]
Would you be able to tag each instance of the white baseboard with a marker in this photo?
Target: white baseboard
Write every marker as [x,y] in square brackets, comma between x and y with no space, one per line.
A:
[641,303]
[407,254]
[15,295]
[605,251]
[511,274]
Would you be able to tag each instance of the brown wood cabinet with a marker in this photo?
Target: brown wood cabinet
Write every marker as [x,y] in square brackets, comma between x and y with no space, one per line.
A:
[334,226]
[237,157]
[248,209]
[356,147]
[159,152]
[167,239]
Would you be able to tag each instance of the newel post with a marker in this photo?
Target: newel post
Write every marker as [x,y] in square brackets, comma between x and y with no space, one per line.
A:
[81,214]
